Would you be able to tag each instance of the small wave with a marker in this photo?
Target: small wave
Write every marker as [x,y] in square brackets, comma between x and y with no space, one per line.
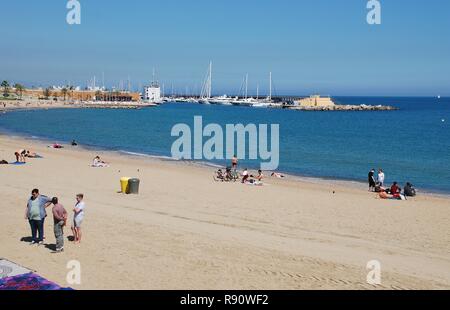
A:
[146,155]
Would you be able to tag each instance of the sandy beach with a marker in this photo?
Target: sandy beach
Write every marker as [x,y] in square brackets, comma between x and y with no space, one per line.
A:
[185,231]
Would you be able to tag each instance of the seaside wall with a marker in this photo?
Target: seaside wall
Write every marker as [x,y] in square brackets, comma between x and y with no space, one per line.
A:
[315,101]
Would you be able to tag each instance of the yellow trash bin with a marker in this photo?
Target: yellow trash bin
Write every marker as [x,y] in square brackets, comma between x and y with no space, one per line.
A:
[124,185]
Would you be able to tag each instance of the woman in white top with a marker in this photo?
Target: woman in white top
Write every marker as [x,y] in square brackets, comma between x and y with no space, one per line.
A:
[381,177]
[78,218]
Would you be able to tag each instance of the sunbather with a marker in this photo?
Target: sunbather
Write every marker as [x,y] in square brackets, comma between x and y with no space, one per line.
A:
[30,154]
[98,163]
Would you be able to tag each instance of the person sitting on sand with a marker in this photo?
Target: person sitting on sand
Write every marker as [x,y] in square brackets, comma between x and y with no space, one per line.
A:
[395,190]
[260,176]
[78,217]
[98,163]
[409,190]
[3,162]
[20,156]
[59,221]
[245,175]
[219,175]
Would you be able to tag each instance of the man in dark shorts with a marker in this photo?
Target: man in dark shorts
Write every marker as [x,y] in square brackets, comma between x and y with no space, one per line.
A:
[372,182]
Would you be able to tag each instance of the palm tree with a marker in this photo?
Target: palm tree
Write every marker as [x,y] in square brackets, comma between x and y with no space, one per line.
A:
[47,93]
[19,90]
[5,85]
[71,89]
[64,92]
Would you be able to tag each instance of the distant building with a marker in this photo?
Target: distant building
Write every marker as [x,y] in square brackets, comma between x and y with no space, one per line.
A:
[315,101]
[152,93]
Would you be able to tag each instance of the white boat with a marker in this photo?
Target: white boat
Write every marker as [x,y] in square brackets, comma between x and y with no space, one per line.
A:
[267,102]
[223,100]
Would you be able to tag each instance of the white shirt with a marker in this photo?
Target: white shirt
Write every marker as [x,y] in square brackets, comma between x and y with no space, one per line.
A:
[381,177]
[80,206]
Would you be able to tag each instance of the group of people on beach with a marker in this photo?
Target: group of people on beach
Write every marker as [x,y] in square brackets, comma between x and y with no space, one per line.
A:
[22,155]
[231,174]
[393,192]
[35,214]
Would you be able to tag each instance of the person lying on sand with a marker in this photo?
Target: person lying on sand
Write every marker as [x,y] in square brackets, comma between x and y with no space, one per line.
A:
[98,163]
[396,196]
[30,154]
[277,175]
[56,146]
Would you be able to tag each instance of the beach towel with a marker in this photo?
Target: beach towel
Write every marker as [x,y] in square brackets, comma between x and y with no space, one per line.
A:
[10,269]
[18,164]
[29,281]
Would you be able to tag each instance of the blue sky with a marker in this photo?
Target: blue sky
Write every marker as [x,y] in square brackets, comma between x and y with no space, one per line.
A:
[311,46]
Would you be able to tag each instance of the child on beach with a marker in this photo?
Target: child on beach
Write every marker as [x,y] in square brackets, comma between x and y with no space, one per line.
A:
[59,221]
[78,218]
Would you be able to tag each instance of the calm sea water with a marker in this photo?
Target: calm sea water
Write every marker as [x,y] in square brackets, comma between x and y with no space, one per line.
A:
[412,144]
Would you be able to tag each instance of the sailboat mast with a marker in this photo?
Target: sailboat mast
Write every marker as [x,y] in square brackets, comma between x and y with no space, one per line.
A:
[270,86]
[246,86]
[210,80]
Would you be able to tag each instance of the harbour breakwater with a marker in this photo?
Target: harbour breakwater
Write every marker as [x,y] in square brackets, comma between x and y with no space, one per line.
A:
[343,108]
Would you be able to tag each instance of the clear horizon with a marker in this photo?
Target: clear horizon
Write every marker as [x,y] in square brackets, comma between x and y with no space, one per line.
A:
[310,46]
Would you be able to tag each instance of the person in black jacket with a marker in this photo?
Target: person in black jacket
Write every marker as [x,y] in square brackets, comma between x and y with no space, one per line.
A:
[372,182]
[409,190]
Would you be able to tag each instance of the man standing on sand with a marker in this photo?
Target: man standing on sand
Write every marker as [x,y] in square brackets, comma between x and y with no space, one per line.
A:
[234,162]
[35,214]
[78,217]
[372,183]
[59,221]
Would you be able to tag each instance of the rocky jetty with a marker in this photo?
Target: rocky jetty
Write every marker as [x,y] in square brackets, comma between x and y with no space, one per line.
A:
[338,107]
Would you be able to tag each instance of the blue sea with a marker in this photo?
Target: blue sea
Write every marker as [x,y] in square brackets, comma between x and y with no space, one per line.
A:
[411,145]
